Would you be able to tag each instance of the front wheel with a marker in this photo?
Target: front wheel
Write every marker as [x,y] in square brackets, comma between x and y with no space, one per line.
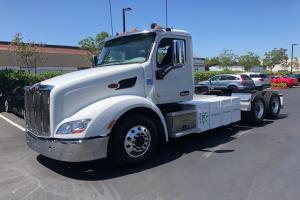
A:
[133,141]
[6,106]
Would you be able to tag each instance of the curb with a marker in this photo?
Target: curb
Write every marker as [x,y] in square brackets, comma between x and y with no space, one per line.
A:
[278,88]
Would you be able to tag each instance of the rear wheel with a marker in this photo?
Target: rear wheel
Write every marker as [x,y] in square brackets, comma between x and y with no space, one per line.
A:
[273,104]
[6,106]
[232,87]
[258,110]
[133,141]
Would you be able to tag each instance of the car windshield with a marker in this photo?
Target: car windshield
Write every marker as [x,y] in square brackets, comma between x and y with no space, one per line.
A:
[126,50]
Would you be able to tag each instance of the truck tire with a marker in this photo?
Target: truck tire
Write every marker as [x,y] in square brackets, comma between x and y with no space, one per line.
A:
[258,110]
[261,92]
[133,141]
[273,104]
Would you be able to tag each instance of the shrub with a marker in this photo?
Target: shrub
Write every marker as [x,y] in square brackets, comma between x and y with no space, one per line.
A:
[10,79]
[278,85]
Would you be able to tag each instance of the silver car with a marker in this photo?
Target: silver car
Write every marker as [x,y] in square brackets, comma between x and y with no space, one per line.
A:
[261,80]
[229,81]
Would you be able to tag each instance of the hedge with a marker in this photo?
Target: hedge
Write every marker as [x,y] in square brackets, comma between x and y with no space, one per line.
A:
[10,79]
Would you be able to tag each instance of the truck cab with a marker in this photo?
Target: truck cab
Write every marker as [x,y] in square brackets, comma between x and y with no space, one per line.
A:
[137,74]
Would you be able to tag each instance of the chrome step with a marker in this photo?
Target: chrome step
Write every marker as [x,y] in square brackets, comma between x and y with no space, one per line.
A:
[184,132]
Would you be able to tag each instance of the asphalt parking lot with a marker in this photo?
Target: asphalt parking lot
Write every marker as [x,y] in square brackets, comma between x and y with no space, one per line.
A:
[233,162]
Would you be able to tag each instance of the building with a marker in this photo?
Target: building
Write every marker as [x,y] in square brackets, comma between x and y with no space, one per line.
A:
[61,58]
[199,64]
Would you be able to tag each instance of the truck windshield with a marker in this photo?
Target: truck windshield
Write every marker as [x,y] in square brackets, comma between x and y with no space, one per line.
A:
[126,50]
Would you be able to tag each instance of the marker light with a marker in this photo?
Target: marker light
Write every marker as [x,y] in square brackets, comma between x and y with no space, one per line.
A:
[74,127]
[126,32]
[134,30]
[157,27]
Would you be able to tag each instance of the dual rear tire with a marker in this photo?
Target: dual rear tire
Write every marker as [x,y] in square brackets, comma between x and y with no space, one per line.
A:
[264,104]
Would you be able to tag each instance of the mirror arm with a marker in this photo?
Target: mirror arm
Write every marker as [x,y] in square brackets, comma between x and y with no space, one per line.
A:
[161,73]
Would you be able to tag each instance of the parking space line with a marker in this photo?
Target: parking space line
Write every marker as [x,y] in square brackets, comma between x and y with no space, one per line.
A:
[16,125]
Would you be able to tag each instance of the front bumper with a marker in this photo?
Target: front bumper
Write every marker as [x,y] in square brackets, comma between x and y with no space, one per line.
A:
[71,150]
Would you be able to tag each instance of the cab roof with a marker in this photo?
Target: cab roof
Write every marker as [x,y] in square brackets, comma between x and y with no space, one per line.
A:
[161,31]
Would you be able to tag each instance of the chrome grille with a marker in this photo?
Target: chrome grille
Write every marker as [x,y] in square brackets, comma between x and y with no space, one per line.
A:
[37,111]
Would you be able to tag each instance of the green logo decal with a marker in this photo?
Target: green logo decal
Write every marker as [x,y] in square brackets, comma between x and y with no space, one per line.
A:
[224,112]
[236,109]
[216,114]
[203,117]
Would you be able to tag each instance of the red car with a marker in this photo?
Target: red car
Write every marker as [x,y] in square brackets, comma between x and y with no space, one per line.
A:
[290,82]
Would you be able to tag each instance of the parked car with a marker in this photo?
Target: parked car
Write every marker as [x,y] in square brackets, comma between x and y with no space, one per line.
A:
[261,80]
[296,75]
[200,89]
[229,81]
[289,82]
[14,102]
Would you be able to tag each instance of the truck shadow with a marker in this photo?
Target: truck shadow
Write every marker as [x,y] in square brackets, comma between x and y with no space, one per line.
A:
[167,152]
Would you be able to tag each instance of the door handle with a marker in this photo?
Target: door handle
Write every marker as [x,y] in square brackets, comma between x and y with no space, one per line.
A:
[184,93]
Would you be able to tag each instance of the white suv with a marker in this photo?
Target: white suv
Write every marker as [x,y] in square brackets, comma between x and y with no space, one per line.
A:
[261,80]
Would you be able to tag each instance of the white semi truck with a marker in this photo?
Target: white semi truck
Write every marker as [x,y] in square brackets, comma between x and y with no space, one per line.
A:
[141,88]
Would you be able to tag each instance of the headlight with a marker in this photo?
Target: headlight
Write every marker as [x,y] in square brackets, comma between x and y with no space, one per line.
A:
[74,127]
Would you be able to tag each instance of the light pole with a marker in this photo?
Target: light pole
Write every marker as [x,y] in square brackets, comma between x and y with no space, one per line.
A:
[292,58]
[125,9]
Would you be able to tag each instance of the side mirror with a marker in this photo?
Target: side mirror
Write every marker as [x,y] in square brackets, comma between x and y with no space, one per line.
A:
[178,53]
[94,60]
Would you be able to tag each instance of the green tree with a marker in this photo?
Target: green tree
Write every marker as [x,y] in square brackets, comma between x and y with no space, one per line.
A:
[91,45]
[211,62]
[227,58]
[28,54]
[249,61]
[285,64]
[275,57]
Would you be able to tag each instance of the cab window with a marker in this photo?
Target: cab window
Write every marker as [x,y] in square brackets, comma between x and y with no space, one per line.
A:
[164,52]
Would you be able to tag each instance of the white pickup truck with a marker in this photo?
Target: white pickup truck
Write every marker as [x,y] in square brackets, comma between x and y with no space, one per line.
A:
[141,87]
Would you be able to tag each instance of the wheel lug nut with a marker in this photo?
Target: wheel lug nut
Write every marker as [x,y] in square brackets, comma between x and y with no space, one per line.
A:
[134,146]
[137,148]
[128,138]
[132,131]
[139,128]
[127,146]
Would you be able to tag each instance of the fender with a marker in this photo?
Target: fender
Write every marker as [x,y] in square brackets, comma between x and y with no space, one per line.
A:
[103,112]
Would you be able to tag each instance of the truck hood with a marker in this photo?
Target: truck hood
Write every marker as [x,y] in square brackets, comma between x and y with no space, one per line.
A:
[74,91]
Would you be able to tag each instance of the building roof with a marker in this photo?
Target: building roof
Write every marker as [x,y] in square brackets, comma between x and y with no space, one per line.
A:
[51,48]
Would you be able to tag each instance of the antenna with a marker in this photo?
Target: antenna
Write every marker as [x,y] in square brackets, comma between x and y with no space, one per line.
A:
[166,13]
[112,29]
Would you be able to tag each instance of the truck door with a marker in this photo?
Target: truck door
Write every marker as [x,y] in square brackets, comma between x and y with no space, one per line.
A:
[177,85]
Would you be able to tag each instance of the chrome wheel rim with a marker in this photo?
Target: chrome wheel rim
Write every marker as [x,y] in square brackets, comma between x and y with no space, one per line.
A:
[137,141]
[259,109]
[6,106]
[275,105]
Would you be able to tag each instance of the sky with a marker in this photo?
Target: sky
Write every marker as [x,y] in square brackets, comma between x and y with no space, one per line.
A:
[256,26]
